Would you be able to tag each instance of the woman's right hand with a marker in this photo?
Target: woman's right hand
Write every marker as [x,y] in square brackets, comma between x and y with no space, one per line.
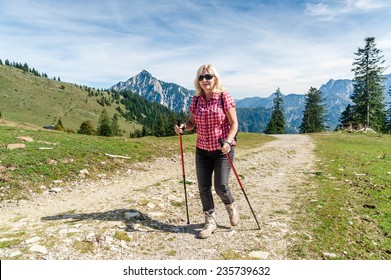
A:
[179,129]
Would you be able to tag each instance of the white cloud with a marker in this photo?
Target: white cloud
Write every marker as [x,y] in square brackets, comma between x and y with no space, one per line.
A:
[328,10]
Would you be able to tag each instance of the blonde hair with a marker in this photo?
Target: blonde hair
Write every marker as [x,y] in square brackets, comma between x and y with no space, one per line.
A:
[210,69]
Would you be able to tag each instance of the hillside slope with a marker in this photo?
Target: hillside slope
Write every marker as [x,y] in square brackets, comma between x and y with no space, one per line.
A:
[27,98]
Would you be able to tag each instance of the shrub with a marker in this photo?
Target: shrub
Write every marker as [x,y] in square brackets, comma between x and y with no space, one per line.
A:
[87,128]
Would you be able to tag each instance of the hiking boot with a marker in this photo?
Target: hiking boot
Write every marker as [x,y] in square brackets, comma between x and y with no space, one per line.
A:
[209,227]
[233,214]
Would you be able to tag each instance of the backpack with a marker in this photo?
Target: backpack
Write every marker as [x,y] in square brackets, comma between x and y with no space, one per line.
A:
[222,104]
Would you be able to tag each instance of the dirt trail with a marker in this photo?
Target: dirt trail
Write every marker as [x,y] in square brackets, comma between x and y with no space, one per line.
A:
[141,215]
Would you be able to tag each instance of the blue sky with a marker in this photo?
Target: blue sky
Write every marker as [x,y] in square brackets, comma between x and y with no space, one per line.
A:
[257,46]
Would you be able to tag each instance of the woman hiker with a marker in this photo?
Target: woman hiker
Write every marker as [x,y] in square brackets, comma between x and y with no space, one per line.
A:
[213,113]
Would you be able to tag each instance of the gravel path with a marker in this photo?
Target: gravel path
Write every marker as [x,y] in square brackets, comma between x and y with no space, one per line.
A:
[141,214]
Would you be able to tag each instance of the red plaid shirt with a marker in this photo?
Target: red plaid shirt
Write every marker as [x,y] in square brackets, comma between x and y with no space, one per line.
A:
[212,123]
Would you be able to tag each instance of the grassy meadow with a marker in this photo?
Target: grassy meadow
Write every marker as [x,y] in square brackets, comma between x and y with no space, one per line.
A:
[342,212]
[26,98]
[345,211]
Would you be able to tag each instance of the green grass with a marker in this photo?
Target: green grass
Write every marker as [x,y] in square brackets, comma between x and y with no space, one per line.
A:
[231,255]
[10,243]
[25,170]
[171,253]
[120,235]
[251,140]
[176,203]
[84,247]
[346,209]
[11,239]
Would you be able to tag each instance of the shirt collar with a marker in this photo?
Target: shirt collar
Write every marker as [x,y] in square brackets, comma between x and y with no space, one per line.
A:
[215,95]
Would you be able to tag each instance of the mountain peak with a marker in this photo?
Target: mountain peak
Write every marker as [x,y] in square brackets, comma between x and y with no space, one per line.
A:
[170,95]
[145,73]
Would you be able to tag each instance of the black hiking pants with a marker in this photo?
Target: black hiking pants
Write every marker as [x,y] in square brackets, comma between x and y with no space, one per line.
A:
[208,163]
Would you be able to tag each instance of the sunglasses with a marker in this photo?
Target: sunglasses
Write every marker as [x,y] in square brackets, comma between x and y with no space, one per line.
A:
[206,77]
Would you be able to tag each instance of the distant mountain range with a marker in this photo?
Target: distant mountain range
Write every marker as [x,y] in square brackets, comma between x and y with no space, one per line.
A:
[254,112]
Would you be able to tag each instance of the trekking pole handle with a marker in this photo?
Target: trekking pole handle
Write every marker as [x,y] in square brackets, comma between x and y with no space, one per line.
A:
[221,141]
[179,124]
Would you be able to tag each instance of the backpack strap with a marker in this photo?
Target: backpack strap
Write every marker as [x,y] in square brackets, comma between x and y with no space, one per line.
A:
[222,104]
[222,101]
[196,102]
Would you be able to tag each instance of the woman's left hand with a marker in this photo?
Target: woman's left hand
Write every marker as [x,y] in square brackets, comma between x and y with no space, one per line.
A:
[226,148]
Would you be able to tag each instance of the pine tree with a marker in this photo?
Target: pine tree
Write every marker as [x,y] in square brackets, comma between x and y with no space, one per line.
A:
[368,99]
[115,128]
[276,123]
[314,112]
[346,118]
[59,126]
[104,128]
[137,133]
[25,67]
[87,128]
[388,114]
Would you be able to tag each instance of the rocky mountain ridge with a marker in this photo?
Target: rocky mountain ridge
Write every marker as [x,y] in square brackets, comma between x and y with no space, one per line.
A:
[170,95]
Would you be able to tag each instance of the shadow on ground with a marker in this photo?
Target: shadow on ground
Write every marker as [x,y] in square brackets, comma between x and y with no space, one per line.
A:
[131,218]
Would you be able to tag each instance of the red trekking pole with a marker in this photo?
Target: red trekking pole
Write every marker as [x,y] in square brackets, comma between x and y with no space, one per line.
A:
[241,186]
[184,176]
